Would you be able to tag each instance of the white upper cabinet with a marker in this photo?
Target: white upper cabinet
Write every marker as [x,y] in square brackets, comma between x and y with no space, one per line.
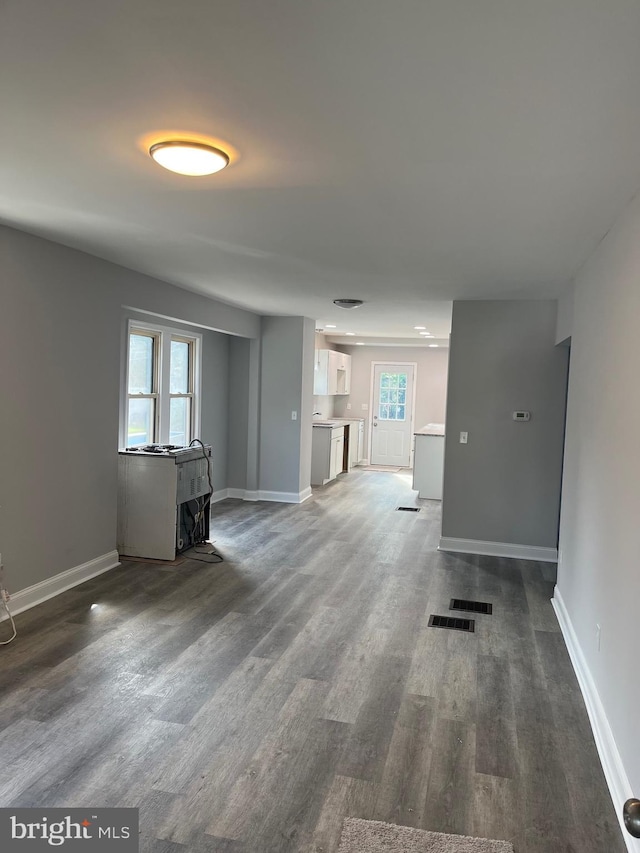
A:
[332,373]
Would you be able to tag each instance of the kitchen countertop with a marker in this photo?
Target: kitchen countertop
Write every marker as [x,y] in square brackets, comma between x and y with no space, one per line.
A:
[431,429]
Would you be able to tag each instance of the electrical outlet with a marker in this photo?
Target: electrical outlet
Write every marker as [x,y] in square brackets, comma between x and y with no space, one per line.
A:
[464,437]
[294,416]
[348,405]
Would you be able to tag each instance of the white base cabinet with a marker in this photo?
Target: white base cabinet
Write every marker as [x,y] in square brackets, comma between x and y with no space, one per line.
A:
[356,439]
[428,466]
[327,449]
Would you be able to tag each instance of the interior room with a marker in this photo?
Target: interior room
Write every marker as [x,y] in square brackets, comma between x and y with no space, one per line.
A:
[318,494]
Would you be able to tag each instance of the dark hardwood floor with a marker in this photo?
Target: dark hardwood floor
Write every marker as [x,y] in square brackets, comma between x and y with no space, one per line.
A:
[250,706]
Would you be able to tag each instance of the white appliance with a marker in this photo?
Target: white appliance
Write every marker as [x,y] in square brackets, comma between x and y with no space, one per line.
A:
[163,499]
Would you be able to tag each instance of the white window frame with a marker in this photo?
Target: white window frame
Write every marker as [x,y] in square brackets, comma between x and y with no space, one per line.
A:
[162,365]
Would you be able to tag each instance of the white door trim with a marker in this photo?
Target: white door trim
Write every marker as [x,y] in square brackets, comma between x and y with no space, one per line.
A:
[375,364]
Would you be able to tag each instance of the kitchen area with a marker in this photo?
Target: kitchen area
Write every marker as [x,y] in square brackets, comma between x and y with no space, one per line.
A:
[345,411]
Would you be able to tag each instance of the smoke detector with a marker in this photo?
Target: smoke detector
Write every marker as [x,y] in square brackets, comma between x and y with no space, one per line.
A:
[347,303]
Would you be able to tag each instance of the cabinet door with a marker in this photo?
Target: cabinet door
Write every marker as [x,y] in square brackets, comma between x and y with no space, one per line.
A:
[337,447]
[321,373]
[347,374]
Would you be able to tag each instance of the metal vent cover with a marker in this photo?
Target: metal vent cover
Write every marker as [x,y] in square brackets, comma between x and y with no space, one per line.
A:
[408,508]
[454,623]
[471,606]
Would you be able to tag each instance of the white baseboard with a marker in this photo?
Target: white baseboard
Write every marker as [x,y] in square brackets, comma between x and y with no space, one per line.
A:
[220,495]
[280,497]
[617,779]
[39,592]
[286,497]
[498,549]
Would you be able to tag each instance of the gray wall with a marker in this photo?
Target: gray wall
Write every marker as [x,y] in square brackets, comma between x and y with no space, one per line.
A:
[431,383]
[504,485]
[60,357]
[286,386]
[238,404]
[598,575]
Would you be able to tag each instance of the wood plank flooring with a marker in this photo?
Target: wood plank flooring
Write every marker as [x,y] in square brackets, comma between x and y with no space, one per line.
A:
[252,705]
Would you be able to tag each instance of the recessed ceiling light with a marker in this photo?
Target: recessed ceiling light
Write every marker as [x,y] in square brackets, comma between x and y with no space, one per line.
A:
[359,343]
[433,345]
[350,333]
[347,303]
[417,328]
[189,158]
[426,334]
[329,326]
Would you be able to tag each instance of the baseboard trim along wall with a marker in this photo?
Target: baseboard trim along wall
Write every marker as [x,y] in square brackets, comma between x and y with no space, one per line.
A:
[614,772]
[39,592]
[498,549]
[279,497]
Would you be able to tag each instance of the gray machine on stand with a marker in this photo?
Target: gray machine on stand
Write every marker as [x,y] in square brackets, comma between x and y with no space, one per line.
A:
[164,494]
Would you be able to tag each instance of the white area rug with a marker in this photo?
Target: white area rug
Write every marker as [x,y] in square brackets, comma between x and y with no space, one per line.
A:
[371,836]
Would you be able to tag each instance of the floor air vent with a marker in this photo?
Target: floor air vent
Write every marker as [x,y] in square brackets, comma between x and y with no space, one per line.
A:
[471,606]
[452,622]
[408,508]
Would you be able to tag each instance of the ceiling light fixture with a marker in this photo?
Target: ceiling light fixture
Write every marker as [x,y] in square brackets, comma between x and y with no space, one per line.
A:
[417,328]
[329,326]
[348,303]
[359,343]
[433,345]
[350,333]
[189,158]
[426,334]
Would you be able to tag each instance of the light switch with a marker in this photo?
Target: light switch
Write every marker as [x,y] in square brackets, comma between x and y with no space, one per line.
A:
[365,407]
[464,437]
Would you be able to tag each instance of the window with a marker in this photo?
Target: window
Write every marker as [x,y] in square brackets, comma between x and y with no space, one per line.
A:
[393,396]
[162,382]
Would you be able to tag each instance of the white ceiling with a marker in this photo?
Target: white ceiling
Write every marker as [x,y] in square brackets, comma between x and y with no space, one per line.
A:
[406,153]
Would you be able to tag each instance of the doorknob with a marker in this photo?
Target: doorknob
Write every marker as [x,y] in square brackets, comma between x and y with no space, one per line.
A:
[631,814]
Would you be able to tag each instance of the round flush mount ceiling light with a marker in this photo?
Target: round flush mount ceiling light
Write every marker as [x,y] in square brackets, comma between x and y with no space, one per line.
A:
[189,158]
[347,303]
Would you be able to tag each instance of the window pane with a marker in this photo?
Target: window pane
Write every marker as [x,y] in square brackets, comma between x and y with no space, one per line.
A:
[384,380]
[384,412]
[402,396]
[179,383]
[141,364]
[140,425]
[403,380]
[384,395]
[179,416]
[400,413]
[393,396]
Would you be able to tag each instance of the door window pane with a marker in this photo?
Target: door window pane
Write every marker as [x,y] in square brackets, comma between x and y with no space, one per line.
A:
[179,417]
[141,364]
[140,425]
[392,396]
[179,381]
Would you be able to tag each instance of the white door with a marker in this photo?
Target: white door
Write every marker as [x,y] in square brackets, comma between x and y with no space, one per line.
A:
[392,414]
